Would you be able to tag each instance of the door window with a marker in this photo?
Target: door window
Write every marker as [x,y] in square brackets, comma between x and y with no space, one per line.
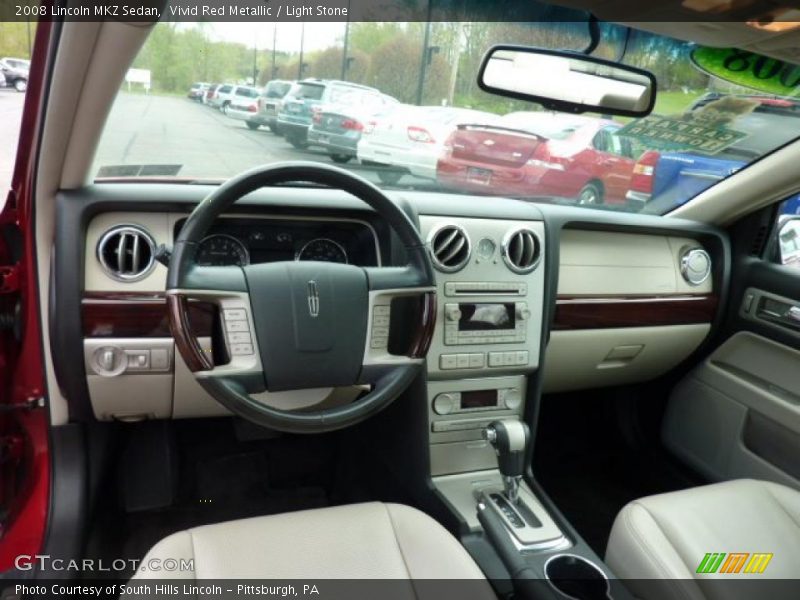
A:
[788,232]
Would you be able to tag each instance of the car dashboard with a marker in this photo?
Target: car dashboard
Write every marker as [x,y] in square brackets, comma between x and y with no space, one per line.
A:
[530,298]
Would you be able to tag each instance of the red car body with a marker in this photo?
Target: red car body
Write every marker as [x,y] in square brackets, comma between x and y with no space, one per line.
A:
[540,155]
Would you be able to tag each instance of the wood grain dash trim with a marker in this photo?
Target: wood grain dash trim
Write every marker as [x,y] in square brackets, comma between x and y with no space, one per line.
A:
[607,312]
[132,314]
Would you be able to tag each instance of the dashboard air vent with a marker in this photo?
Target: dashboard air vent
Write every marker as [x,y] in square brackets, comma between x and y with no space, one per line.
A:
[695,265]
[450,248]
[126,253]
[522,250]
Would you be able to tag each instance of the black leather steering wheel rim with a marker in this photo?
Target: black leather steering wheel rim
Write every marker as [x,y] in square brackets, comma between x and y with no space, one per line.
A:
[185,279]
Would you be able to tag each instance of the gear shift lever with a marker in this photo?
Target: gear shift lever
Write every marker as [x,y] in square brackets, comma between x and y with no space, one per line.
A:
[510,440]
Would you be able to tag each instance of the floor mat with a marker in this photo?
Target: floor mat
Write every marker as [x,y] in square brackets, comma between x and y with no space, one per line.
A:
[220,478]
[143,530]
[591,468]
[590,492]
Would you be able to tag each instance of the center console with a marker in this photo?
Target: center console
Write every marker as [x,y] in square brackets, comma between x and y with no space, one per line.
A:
[490,284]
[487,343]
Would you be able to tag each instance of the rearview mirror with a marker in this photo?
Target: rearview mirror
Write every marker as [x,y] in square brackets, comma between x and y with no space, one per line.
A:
[567,82]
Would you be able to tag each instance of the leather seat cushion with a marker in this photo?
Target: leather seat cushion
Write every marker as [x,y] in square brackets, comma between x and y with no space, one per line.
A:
[359,541]
[666,536]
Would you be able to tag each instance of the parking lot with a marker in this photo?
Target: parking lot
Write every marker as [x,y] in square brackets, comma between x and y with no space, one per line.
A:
[150,130]
[10,115]
[163,130]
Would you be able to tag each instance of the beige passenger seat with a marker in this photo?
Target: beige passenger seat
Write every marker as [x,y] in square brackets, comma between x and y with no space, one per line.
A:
[668,546]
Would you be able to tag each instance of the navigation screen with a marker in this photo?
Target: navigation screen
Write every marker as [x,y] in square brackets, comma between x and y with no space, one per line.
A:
[486,317]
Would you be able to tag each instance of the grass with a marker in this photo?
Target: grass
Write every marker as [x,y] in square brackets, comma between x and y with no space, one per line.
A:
[674,103]
[670,103]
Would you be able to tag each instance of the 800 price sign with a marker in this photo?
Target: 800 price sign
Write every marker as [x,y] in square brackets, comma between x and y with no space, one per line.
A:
[749,69]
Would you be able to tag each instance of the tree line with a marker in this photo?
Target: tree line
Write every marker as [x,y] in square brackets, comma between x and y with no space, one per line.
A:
[388,56]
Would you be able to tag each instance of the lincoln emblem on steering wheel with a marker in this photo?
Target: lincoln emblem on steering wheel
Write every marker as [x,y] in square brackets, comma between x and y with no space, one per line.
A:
[313,299]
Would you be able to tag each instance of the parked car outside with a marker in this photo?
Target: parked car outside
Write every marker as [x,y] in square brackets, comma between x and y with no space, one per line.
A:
[540,154]
[15,72]
[338,127]
[2,80]
[665,180]
[210,93]
[411,139]
[305,97]
[221,98]
[198,91]
[244,105]
[269,102]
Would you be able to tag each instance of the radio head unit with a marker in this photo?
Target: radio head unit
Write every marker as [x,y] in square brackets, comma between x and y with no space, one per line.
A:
[485,322]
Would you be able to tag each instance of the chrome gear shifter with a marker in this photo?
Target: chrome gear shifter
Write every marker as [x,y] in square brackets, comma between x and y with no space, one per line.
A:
[510,439]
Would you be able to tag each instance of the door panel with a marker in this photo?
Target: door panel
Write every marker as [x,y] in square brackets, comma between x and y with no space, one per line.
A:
[738,413]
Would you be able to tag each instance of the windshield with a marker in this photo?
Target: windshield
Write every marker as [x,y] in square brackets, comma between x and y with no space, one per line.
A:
[399,104]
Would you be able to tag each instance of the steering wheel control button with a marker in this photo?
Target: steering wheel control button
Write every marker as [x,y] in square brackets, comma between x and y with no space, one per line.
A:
[379,334]
[235,314]
[234,326]
[239,338]
[241,349]
[380,321]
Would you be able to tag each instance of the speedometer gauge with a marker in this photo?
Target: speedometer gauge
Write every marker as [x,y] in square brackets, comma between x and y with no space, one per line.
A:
[323,249]
[221,251]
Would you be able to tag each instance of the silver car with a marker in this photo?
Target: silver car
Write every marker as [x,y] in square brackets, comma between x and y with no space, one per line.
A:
[243,106]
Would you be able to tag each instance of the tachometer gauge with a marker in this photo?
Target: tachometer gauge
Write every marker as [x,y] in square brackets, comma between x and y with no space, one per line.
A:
[221,250]
[322,249]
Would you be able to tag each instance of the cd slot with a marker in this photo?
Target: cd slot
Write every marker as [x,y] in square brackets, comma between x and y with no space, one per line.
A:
[485,288]
[485,292]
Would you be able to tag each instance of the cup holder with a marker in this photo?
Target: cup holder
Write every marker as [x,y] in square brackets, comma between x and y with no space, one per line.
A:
[577,578]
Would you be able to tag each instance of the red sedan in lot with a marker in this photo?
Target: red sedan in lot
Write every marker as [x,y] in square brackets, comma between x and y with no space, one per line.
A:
[540,154]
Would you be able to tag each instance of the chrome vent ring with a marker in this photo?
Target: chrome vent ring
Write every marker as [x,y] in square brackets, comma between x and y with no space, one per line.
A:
[695,266]
[522,250]
[126,253]
[449,247]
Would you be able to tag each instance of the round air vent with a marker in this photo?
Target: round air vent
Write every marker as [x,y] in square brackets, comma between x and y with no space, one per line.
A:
[127,253]
[695,266]
[522,250]
[450,248]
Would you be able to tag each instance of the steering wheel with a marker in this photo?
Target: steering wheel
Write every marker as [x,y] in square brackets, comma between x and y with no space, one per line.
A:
[299,325]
